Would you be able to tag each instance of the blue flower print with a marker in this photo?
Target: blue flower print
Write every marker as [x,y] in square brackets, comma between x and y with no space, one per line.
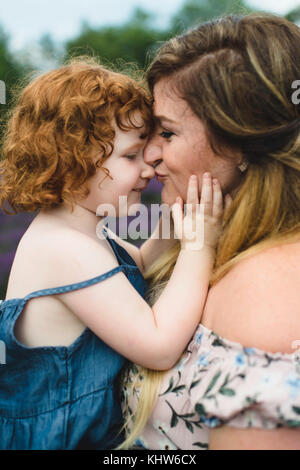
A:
[210,422]
[202,361]
[249,351]
[294,385]
[240,359]
[139,443]
[198,338]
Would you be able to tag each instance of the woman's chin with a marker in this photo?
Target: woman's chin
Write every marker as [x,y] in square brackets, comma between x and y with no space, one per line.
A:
[167,200]
[168,197]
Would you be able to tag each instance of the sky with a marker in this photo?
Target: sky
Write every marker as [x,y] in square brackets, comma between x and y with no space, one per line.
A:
[27,20]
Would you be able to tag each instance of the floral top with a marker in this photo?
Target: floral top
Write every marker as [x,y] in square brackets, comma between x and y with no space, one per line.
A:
[218,382]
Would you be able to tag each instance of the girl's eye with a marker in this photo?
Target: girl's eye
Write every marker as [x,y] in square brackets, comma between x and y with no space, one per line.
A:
[130,157]
[166,134]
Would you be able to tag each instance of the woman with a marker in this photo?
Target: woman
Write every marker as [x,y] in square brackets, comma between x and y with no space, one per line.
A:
[222,101]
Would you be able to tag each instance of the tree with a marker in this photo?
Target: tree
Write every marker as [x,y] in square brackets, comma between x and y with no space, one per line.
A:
[196,11]
[129,42]
[136,39]
[10,69]
[294,15]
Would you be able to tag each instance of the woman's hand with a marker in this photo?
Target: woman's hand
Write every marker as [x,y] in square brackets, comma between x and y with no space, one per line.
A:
[201,225]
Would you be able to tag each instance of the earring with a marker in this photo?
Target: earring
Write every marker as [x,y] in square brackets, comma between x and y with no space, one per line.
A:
[243,166]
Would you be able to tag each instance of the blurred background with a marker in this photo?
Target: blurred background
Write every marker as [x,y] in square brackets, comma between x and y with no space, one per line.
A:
[38,35]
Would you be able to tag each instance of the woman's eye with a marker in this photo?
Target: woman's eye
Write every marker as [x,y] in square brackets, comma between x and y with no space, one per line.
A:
[166,134]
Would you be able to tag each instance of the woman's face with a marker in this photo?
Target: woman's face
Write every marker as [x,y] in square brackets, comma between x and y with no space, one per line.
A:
[179,147]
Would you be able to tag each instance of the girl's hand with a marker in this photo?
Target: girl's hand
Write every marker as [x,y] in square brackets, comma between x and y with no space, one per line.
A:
[202,224]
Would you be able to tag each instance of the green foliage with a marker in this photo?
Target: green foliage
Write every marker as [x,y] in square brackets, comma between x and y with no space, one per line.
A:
[133,41]
[294,15]
[48,46]
[129,42]
[197,11]
[10,69]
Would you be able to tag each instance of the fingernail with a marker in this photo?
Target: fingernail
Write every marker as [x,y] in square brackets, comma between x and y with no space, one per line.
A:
[215,181]
[206,175]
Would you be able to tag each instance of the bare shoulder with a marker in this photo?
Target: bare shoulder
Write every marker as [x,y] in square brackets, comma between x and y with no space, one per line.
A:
[257,303]
[80,256]
[58,256]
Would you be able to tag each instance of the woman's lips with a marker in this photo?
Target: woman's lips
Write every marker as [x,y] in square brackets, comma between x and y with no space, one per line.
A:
[139,190]
[160,177]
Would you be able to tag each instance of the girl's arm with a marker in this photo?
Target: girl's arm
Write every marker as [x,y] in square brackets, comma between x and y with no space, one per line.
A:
[162,238]
[152,248]
[153,337]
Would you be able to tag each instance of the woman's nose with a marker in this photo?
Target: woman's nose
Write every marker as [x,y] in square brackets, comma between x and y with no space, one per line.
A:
[147,171]
[152,153]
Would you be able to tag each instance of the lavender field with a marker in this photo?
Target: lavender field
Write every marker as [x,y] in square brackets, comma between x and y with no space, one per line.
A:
[12,228]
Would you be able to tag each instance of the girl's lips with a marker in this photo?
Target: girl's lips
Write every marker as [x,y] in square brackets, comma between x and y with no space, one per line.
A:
[139,190]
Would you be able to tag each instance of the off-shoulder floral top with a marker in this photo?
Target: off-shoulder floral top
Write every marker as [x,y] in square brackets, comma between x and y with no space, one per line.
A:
[219,382]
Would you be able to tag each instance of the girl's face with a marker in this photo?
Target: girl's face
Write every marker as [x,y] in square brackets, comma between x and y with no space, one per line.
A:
[180,148]
[128,169]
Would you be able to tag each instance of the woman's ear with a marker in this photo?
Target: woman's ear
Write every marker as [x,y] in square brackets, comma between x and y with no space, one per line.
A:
[243,165]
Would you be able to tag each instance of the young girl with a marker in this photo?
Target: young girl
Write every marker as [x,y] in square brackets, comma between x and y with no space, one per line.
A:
[74,141]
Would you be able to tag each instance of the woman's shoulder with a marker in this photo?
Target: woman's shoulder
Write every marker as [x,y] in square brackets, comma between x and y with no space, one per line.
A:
[257,303]
[266,269]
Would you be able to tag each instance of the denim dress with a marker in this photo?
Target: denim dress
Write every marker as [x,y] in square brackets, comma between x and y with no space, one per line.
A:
[62,397]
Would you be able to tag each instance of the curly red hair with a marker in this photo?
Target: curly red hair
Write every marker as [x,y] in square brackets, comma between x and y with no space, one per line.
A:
[59,121]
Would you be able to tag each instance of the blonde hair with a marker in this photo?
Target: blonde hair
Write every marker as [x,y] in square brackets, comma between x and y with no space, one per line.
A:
[236,75]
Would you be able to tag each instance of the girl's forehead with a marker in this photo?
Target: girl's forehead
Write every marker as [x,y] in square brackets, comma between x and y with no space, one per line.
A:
[134,127]
[132,136]
[134,121]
